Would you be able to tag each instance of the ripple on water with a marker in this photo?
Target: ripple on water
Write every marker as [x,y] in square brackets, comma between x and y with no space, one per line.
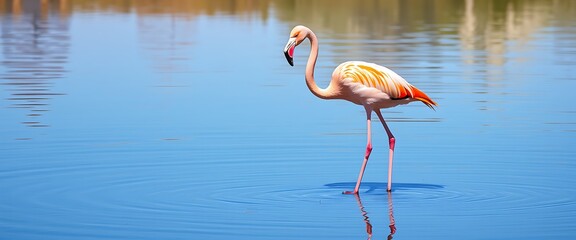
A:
[479,198]
[202,197]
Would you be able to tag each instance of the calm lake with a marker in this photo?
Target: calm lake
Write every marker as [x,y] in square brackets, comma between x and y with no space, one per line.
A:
[143,119]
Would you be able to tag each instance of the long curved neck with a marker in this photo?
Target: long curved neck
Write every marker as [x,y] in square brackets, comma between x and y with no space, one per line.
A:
[317,91]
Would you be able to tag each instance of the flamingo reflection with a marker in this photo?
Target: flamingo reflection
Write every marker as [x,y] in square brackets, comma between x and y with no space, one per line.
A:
[391,216]
[392,225]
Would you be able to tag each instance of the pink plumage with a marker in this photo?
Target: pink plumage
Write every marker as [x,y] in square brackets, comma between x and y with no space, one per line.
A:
[367,84]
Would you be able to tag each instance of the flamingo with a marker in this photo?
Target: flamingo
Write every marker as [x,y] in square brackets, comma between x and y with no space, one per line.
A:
[373,86]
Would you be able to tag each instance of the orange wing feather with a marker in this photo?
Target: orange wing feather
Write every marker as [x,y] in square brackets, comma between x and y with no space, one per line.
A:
[386,80]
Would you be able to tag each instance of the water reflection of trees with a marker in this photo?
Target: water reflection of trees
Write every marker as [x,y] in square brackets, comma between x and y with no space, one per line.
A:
[176,7]
[484,25]
[166,40]
[34,39]
[489,25]
[35,33]
[373,17]
[479,25]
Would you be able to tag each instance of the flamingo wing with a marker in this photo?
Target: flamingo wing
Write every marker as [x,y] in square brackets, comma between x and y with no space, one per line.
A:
[385,80]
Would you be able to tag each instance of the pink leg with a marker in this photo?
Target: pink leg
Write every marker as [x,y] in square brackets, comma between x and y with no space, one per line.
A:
[366,155]
[392,142]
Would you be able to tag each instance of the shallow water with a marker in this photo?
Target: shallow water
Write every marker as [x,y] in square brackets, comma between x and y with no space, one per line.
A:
[182,120]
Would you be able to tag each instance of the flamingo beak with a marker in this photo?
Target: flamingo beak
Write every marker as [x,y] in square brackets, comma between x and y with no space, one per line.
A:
[289,51]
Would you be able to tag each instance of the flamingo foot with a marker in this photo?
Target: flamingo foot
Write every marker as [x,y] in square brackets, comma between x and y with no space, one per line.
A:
[350,192]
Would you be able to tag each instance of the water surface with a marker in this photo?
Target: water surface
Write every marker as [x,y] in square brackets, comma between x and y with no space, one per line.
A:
[183,120]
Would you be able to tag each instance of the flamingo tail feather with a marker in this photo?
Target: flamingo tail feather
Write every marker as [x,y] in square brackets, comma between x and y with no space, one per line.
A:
[421,96]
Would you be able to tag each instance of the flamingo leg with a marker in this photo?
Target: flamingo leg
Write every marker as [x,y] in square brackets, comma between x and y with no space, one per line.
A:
[392,142]
[366,154]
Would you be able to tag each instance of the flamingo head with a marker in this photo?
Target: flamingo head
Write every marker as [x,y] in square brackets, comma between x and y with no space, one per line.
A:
[297,35]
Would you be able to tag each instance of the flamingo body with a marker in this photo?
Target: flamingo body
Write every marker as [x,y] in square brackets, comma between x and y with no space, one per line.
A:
[367,84]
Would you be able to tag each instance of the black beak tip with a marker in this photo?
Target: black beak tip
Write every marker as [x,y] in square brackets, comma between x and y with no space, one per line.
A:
[289,59]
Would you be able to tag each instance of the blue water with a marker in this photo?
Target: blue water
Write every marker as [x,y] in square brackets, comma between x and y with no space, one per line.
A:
[183,120]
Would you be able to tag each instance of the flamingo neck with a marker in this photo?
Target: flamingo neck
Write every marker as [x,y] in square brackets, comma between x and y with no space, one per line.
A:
[317,91]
